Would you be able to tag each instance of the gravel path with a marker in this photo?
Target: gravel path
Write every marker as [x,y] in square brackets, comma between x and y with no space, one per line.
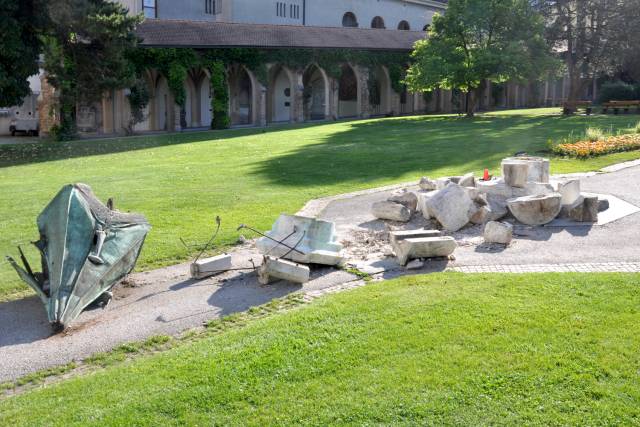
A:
[166,301]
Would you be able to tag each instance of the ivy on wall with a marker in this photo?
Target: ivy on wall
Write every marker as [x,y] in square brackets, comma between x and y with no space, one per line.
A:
[175,63]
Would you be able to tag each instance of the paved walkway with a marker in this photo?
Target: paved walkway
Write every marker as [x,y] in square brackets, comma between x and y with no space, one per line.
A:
[166,301]
[607,267]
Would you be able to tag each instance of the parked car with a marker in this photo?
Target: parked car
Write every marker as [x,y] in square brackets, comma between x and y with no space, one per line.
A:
[28,125]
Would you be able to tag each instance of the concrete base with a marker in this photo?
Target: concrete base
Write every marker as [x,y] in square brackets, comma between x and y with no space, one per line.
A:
[207,267]
[280,269]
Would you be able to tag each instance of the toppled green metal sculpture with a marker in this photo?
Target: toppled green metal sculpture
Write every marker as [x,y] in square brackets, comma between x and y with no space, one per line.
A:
[86,249]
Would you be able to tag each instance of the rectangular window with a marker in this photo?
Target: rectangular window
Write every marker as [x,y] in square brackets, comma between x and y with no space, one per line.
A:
[281,9]
[149,8]
[210,7]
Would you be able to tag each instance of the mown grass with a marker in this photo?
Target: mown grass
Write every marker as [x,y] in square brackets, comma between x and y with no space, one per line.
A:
[535,349]
[182,181]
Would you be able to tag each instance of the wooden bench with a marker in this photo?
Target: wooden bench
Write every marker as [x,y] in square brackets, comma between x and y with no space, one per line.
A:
[616,106]
[570,107]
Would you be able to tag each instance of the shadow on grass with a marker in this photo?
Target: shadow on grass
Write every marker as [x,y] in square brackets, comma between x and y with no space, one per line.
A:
[45,151]
[391,148]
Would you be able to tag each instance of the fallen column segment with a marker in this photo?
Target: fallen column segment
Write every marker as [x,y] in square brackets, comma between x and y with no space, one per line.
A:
[280,269]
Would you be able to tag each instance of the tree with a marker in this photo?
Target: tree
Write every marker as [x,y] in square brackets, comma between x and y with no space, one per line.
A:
[86,53]
[584,33]
[477,40]
[21,23]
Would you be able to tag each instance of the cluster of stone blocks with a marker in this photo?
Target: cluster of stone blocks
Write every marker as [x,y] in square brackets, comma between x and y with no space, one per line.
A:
[525,191]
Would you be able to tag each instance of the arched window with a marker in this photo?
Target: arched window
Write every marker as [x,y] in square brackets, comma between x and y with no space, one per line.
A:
[404,25]
[349,20]
[378,22]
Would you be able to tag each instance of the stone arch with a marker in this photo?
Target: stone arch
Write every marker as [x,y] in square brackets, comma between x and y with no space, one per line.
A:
[280,94]
[379,91]
[316,104]
[349,20]
[378,22]
[242,94]
[348,92]
[404,25]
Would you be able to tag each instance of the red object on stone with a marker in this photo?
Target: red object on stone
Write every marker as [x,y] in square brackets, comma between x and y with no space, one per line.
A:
[486,176]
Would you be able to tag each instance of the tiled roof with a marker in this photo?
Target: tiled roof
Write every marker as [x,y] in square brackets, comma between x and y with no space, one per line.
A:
[200,34]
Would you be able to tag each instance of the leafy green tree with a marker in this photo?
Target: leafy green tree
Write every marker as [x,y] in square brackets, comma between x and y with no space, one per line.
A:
[587,35]
[476,40]
[21,23]
[86,53]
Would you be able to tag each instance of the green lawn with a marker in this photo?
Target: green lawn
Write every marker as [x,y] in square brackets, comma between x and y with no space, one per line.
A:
[440,349]
[182,181]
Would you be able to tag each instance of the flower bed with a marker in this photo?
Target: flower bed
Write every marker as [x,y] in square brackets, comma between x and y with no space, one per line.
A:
[610,144]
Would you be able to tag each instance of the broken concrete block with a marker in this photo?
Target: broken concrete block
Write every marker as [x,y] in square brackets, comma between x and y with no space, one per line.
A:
[536,210]
[538,167]
[280,269]
[585,209]
[467,180]
[497,205]
[452,207]
[204,268]
[406,198]
[396,236]
[316,240]
[515,173]
[424,247]
[473,193]
[570,191]
[495,186]
[481,216]
[427,184]
[498,232]
[533,189]
[391,211]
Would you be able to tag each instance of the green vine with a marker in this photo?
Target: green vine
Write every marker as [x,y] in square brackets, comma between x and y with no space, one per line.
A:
[174,64]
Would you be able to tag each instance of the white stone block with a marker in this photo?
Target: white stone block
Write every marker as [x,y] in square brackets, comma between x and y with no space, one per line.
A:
[570,191]
[538,167]
[452,207]
[204,268]
[495,186]
[515,173]
[405,198]
[498,232]
[424,247]
[391,211]
[280,269]
[467,180]
[427,184]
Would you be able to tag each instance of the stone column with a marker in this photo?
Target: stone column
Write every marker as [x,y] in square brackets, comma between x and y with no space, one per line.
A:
[363,92]
[335,98]
[297,97]
[262,106]
[175,119]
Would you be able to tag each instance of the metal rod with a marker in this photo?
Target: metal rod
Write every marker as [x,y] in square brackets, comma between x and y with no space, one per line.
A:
[270,238]
[218,221]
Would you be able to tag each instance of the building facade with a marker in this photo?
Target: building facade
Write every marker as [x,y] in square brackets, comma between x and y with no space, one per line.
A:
[285,94]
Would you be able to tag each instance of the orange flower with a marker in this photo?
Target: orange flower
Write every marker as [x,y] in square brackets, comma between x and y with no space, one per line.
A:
[610,144]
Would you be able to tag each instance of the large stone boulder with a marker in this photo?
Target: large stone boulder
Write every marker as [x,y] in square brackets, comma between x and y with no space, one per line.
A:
[495,186]
[427,184]
[467,180]
[585,209]
[538,170]
[515,173]
[405,198]
[391,211]
[536,210]
[423,247]
[452,207]
[498,232]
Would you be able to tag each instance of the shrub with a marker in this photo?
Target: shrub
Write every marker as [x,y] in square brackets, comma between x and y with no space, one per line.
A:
[594,134]
[618,91]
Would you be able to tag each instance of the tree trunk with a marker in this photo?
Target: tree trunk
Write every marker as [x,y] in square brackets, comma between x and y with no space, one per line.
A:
[471,103]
